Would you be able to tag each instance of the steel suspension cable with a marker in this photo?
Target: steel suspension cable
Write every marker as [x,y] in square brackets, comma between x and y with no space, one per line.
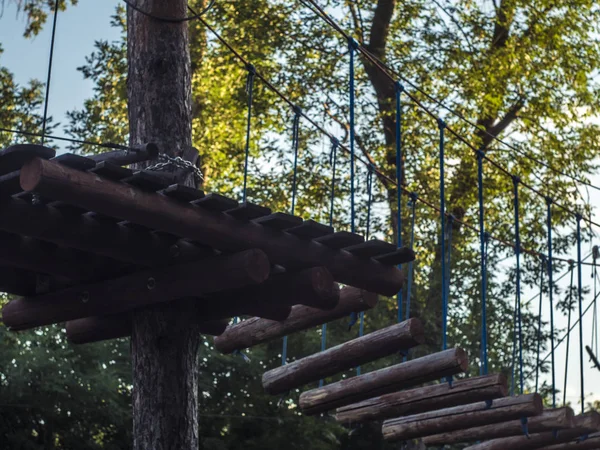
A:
[49,76]
[580,301]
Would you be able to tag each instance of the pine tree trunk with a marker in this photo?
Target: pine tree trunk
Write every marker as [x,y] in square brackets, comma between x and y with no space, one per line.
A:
[164,341]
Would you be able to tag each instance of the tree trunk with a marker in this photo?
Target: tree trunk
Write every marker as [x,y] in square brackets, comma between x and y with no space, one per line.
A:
[164,337]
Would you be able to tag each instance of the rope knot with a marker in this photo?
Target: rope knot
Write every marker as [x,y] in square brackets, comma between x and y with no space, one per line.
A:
[399,86]
[352,43]
[413,196]
[549,200]
[578,216]
[251,69]
[480,153]
[441,124]
[487,236]
[297,110]
[516,179]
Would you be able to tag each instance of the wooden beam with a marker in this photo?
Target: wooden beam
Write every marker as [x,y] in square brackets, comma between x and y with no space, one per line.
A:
[591,442]
[256,331]
[582,425]
[383,381]
[459,417]
[211,228]
[423,399]
[102,328]
[23,282]
[350,354]
[549,420]
[82,232]
[139,153]
[152,286]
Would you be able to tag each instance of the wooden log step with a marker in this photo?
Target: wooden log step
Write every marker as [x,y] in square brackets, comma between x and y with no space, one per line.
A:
[147,181]
[311,230]
[138,153]
[460,417]
[12,158]
[112,171]
[350,354]
[73,161]
[10,184]
[591,442]
[340,239]
[257,331]
[423,399]
[102,328]
[215,202]
[549,420]
[183,193]
[152,286]
[582,424]
[371,248]
[279,221]
[383,381]
[249,211]
[399,256]
[22,282]
[217,230]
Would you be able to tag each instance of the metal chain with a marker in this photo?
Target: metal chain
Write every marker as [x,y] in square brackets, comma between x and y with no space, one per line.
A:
[179,162]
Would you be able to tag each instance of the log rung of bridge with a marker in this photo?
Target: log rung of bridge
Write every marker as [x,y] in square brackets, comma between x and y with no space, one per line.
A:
[582,425]
[383,381]
[460,417]
[549,420]
[350,354]
[591,442]
[423,399]
[134,203]
[255,331]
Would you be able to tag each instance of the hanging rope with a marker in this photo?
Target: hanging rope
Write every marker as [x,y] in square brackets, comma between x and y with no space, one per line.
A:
[352,46]
[580,301]
[412,204]
[594,343]
[49,77]
[518,296]
[569,305]
[442,127]
[550,295]
[483,370]
[539,330]
[399,90]
[249,91]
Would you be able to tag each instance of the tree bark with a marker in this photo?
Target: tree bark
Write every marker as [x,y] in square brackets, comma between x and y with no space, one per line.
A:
[165,338]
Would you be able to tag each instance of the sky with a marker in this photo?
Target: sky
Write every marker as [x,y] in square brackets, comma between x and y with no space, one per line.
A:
[79,27]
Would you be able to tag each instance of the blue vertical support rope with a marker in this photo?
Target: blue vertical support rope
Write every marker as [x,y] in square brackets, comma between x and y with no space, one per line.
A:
[518,297]
[295,146]
[333,161]
[442,127]
[483,369]
[399,90]
[539,330]
[580,300]
[352,46]
[550,295]
[49,77]
[413,203]
[570,304]
[250,92]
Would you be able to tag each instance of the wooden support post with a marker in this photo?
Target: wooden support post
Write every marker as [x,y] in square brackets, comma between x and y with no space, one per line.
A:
[211,228]
[102,328]
[138,290]
[256,331]
[582,425]
[272,297]
[591,442]
[549,420]
[459,417]
[350,354]
[383,381]
[423,399]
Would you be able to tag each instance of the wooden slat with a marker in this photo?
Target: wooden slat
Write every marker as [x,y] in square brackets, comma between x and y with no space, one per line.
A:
[215,202]
[399,256]
[140,289]
[383,381]
[311,230]
[340,239]
[22,282]
[460,417]
[256,331]
[582,425]
[183,193]
[350,354]
[102,328]
[73,161]
[114,172]
[423,399]
[12,158]
[147,181]
[10,184]
[139,153]
[279,221]
[249,211]
[549,420]
[591,442]
[371,248]
[197,224]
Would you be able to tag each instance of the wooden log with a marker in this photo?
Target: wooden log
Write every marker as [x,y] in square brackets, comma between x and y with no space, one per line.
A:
[22,282]
[102,328]
[256,331]
[138,247]
[138,153]
[211,228]
[139,289]
[582,425]
[460,417]
[350,354]
[549,420]
[383,381]
[591,442]
[423,399]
